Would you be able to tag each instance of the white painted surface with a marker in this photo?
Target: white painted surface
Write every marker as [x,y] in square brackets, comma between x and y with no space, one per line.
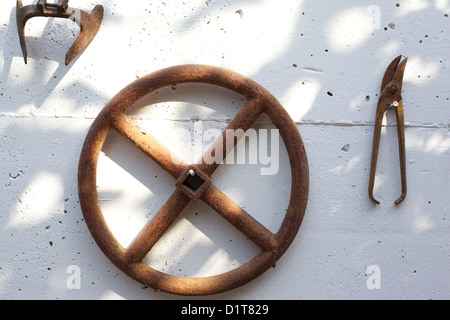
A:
[299,51]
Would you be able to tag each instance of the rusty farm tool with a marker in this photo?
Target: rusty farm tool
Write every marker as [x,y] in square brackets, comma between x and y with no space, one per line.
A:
[391,96]
[192,182]
[89,23]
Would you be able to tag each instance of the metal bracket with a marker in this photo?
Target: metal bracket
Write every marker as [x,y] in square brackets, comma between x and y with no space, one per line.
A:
[89,23]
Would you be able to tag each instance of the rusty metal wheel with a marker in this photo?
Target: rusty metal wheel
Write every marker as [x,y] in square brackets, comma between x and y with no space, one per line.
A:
[129,260]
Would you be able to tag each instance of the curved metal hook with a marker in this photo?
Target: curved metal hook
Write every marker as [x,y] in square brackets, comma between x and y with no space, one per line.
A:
[89,23]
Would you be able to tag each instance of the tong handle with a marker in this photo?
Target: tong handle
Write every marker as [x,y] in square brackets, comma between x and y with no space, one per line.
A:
[401,146]
[401,150]
[375,148]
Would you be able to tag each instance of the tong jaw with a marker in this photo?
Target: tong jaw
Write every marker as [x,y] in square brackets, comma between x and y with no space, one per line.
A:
[391,88]
[391,95]
[89,23]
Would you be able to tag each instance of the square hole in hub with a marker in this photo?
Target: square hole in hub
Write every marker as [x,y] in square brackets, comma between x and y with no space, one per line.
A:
[193,183]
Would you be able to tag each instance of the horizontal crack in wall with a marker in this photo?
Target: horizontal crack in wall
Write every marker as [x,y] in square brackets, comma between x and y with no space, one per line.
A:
[227,120]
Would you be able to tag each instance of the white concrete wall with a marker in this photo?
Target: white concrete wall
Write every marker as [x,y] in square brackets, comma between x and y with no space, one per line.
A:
[299,50]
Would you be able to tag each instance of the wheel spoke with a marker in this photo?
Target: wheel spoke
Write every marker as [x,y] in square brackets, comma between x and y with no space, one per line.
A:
[245,118]
[128,128]
[157,226]
[239,218]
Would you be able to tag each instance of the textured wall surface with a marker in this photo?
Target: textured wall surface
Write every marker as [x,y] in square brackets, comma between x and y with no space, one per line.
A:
[323,60]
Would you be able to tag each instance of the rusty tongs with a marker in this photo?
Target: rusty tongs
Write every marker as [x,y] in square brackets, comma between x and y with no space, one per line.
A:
[391,96]
[89,23]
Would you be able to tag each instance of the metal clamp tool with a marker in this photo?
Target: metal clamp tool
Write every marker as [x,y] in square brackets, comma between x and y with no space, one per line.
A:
[391,96]
[89,23]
